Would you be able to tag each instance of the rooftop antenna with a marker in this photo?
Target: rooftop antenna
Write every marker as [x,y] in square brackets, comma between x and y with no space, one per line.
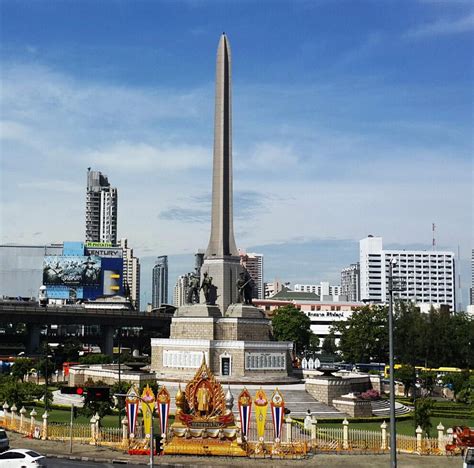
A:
[433,228]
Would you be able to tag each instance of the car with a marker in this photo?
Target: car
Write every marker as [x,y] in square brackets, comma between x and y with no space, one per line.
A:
[21,458]
[469,458]
[4,442]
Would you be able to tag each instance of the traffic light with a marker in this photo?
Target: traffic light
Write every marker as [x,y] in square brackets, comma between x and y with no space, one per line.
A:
[98,393]
[73,390]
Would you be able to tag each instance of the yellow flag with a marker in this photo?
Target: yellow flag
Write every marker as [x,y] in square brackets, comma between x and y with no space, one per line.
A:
[261,404]
[148,406]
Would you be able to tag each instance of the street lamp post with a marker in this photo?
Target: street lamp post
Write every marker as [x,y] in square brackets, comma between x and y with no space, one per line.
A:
[150,410]
[393,435]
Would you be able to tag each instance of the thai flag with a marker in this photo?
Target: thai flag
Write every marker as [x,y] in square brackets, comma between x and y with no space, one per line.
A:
[245,418]
[132,413]
[277,415]
[164,409]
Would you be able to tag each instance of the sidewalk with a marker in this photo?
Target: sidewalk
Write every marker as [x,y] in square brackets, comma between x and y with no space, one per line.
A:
[92,453]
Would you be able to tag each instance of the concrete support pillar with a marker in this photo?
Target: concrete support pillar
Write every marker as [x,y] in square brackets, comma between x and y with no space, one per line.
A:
[5,412]
[33,338]
[107,339]
[345,434]
[288,429]
[125,431]
[419,432]
[93,435]
[32,421]
[383,426]
[22,418]
[314,428]
[13,416]
[441,441]
[97,428]
[44,432]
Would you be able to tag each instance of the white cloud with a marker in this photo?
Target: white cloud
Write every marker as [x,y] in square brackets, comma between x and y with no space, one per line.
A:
[141,157]
[443,27]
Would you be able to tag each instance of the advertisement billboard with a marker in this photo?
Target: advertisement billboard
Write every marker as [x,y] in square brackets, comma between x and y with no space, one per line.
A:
[72,270]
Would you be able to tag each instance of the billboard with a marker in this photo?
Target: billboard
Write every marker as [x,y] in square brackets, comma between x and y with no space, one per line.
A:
[72,270]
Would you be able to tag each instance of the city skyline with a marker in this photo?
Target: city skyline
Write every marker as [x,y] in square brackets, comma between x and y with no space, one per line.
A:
[367,130]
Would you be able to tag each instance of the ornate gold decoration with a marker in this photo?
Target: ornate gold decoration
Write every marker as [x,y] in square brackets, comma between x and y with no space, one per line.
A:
[205,399]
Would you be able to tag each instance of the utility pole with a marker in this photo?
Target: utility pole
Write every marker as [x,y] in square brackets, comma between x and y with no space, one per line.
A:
[70,428]
[393,429]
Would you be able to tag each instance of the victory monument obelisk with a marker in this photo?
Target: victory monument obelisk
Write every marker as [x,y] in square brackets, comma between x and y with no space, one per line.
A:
[233,335]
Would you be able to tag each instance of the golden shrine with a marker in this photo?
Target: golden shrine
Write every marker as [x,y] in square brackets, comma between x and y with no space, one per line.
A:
[204,423]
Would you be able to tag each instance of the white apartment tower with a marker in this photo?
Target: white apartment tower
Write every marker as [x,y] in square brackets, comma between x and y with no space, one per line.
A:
[322,289]
[253,263]
[160,282]
[131,274]
[101,209]
[471,290]
[180,291]
[427,277]
[350,282]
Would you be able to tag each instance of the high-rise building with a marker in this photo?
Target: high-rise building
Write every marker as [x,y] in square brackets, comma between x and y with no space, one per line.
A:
[271,288]
[101,209]
[131,274]
[423,276]
[472,278]
[350,282]
[180,291]
[160,282]
[253,263]
[322,289]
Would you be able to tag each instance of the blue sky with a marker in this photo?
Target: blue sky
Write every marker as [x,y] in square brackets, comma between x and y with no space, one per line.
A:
[350,117]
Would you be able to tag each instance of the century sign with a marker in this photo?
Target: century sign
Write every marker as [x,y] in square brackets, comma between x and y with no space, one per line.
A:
[105,253]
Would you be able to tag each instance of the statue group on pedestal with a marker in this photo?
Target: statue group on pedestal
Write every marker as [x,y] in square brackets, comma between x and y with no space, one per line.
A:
[194,288]
[244,287]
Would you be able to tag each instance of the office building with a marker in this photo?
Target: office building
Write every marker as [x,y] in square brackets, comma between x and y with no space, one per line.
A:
[101,209]
[131,274]
[323,313]
[471,290]
[160,282]
[253,263]
[273,287]
[350,282]
[180,291]
[323,289]
[426,277]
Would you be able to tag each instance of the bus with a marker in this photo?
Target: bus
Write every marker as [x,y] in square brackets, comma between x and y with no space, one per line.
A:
[440,371]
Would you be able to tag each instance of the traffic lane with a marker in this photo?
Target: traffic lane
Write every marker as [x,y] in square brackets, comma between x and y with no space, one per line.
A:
[55,462]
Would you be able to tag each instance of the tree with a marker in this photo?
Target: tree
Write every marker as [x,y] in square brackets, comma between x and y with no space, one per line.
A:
[423,408]
[290,324]
[409,333]
[71,349]
[329,344]
[95,359]
[364,336]
[21,367]
[18,393]
[406,375]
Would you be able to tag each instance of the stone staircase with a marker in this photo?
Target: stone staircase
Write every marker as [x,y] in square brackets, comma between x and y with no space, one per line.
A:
[382,408]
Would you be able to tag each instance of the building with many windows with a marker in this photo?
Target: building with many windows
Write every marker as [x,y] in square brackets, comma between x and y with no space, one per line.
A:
[253,263]
[180,291]
[350,282]
[131,274]
[422,276]
[322,289]
[101,209]
[322,313]
[472,279]
[160,282]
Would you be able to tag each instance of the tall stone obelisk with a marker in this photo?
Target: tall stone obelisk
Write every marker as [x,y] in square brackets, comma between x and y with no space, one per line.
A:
[222,260]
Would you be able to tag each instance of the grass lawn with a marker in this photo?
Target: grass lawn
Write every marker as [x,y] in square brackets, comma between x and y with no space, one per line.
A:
[405,427]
